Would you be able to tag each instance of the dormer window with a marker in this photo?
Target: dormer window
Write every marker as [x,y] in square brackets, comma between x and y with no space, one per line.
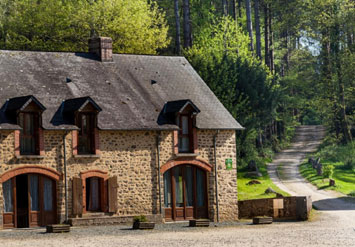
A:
[183,114]
[184,121]
[29,138]
[26,112]
[86,137]
[83,113]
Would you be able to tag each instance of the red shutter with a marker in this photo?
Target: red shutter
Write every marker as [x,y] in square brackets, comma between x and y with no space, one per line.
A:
[97,141]
[17,142]
[41,141]
[75,142]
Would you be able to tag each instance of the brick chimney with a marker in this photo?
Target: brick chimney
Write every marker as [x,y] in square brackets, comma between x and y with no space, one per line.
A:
[102,47]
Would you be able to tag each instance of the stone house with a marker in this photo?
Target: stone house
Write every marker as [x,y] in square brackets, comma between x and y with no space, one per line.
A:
[96,138]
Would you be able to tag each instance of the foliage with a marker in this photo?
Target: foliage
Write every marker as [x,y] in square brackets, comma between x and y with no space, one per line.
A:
[140,218]
[328,171]
[53,25]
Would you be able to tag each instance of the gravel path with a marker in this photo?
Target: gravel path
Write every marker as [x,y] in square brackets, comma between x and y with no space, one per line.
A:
[332,225]
[288,178]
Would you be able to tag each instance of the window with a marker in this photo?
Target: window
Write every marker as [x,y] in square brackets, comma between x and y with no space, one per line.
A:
[86,136]
[185,134]
[29,135]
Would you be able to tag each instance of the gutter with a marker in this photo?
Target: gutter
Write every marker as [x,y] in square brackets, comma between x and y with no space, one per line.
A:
[65,178]
[158,139]
[215,173]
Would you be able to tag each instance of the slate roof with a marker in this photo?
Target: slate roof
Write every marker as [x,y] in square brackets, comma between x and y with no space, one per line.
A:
[131,91]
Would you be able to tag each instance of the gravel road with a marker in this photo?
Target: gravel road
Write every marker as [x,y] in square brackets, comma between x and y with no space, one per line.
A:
[332,225]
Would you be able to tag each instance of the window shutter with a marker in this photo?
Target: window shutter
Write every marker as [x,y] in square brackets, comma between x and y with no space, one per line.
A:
[75,142]
[41,141]
[97,141]
[17,142]
[77,196]
[112,195]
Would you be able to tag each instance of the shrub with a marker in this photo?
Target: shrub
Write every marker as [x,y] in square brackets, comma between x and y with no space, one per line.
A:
[328,171]
[140,218]
[352,193]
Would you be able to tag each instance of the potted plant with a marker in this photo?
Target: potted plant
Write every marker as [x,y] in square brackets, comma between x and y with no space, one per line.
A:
[141,222]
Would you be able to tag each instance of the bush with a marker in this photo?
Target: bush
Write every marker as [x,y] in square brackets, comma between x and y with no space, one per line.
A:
[328,171]
[352,193]
[140,218]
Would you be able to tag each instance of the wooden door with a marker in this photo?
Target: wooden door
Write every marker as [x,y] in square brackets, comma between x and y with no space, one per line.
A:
[48,201]
[9,195]
[185,193]
[34,200]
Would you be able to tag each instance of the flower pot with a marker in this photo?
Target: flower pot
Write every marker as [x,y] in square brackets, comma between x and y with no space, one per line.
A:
[143,225]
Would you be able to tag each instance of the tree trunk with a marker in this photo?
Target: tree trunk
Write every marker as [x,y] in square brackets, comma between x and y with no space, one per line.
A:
[234,11]
[249,23]
[341,105]
[271,44]
[266,35]
[187,24]
[224,7]
[177,26]
[257,28]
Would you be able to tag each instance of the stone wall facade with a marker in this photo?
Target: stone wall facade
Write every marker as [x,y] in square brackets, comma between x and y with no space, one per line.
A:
[132,157]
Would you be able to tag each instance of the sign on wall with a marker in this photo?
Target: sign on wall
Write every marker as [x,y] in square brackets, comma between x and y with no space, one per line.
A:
[229,164]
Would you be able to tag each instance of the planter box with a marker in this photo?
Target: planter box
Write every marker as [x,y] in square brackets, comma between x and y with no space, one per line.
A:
[199,223]
[262,220]
[60,228]
[143,225]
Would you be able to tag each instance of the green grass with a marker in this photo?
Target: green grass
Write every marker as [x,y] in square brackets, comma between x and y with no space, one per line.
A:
[256,191]
[343,160]
[344,178]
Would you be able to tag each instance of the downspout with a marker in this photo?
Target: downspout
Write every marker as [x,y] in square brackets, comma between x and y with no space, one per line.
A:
[65,178]
[215,173]
[158,163]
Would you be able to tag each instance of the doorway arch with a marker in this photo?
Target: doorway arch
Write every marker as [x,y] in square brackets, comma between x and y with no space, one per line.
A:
[30,196]
[185,192]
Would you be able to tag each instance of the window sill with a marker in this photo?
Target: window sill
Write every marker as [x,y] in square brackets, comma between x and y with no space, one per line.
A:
[30,156]
[86,156]
[186,154]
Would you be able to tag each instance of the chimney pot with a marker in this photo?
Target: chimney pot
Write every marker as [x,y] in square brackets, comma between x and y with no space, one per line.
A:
[102,48]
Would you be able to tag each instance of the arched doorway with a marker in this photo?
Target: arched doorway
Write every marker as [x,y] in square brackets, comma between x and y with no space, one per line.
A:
[185,193]
[29,196]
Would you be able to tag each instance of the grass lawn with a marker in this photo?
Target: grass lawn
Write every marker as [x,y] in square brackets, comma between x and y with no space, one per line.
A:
[343,160]
[256,191]
[344,178]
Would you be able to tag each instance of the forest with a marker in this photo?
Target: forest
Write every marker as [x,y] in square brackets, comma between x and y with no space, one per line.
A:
[274,64]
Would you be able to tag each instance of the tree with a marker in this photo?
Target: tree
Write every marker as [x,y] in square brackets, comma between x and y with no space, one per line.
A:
[67,25]
[257,28]
[177,27]
[187,24]
[249,23]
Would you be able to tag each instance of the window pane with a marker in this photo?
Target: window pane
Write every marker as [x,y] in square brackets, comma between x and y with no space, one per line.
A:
[189,185]
[178,187]
[48,194]
[184,144]
[94,204]
[200,184]
[7,190]
[34,192]
[167,189]
[185,125]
